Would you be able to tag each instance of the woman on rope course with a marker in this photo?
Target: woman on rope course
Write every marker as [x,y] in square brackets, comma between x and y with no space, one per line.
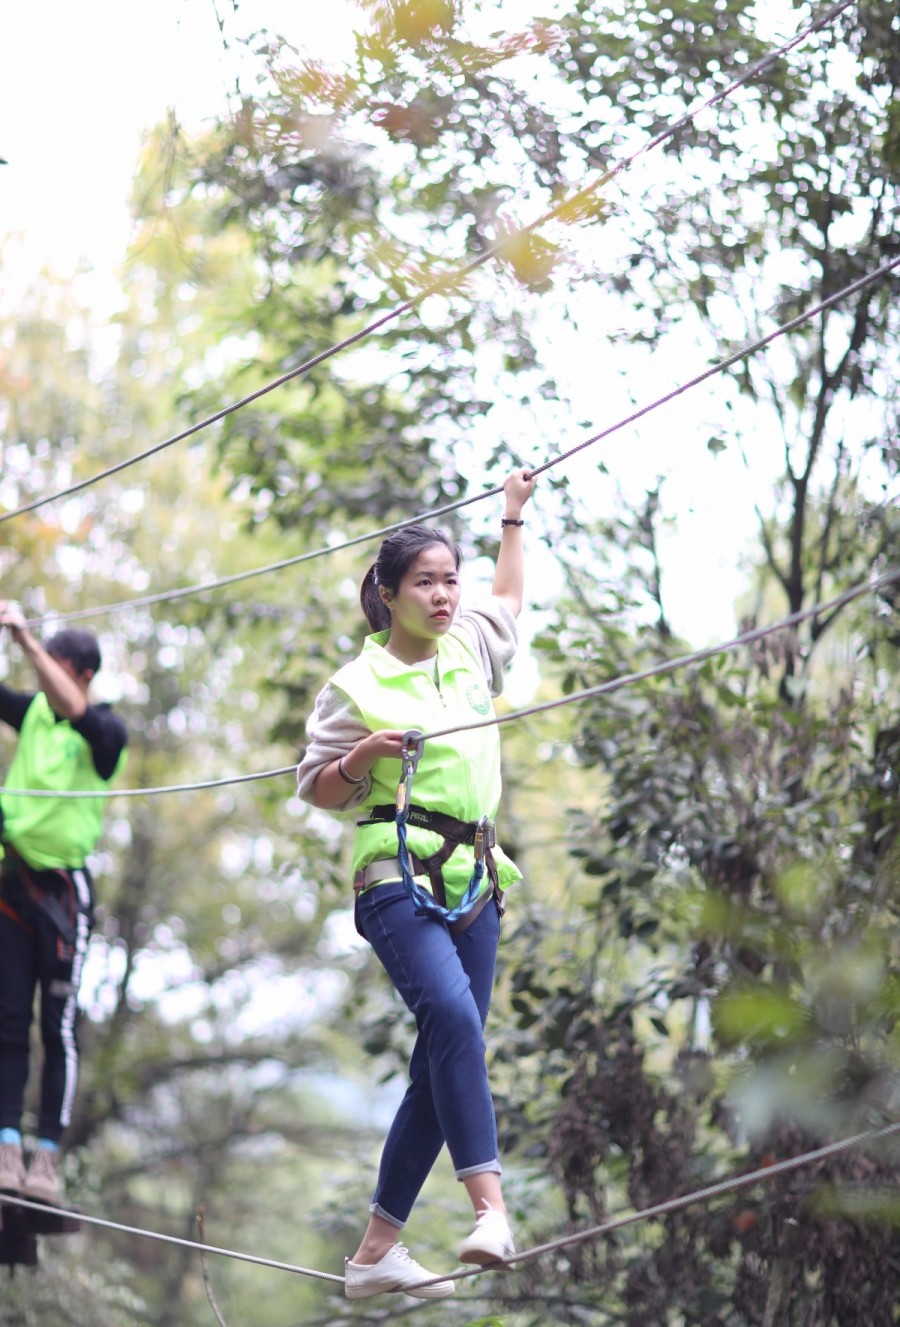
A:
[427,872]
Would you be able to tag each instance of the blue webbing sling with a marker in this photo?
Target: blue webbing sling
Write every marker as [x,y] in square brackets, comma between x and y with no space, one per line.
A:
[413,746]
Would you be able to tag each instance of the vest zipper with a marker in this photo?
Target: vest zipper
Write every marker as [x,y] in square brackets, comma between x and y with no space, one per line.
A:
[437,682]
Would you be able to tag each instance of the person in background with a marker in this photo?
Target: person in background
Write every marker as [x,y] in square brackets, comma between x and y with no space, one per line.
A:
[429,666]
[65,744]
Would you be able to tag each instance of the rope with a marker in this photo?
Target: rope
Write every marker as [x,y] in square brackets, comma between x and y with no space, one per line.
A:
[670,665]
[732,359]
[167,596]
[152,792]
[603,688]
[711,1191]
[676,1204]
[570,205]
[15,1201]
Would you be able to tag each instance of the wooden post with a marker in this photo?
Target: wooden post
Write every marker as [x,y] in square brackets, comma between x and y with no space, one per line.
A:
[21,1226]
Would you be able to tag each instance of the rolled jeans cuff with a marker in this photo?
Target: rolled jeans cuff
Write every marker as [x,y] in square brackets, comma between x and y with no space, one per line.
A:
[377,1210]
[486,1168]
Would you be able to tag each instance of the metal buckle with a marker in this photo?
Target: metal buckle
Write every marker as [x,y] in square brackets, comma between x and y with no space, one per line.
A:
[480,832]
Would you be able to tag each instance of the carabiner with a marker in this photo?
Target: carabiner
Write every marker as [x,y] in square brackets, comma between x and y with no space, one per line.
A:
[411,754]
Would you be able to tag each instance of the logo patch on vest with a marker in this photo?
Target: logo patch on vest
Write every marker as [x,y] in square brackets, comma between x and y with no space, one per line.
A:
[478,698]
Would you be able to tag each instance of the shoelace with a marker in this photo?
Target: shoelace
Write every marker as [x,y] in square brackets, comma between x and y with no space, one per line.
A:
[403,1254]
[43,1163]
[10,1154]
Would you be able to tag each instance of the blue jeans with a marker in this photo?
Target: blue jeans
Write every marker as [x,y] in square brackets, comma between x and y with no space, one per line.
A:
[446,982]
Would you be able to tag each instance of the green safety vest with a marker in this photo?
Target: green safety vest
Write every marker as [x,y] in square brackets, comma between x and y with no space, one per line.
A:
[48,832]
[458,775]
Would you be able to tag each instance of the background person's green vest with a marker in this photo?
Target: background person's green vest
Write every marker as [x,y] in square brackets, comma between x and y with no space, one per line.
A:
[48,832]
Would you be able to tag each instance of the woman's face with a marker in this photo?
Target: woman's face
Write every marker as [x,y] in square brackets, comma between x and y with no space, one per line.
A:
[427,597]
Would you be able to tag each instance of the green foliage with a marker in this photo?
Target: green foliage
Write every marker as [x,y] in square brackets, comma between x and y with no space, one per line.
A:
[730,974]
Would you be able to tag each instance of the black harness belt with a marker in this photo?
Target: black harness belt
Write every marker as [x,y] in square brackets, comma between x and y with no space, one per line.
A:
[59,905]
[454,832]
[457,831]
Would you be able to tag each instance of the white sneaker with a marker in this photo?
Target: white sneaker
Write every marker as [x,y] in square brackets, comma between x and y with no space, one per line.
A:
[395,1271]
[490,1241]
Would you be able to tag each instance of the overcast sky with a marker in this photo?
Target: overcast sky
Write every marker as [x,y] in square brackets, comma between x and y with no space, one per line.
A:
[80,83]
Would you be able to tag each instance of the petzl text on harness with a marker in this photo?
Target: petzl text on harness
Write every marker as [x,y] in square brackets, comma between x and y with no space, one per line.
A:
[413,747]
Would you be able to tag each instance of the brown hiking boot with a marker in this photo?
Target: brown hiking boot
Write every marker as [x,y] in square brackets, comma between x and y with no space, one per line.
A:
[12,1167]
[42,1180]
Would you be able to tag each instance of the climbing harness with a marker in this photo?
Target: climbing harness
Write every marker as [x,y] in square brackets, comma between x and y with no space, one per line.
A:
[52,891]
[480,834]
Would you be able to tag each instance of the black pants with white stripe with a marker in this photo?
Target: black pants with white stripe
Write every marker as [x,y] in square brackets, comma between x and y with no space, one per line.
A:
[45,924]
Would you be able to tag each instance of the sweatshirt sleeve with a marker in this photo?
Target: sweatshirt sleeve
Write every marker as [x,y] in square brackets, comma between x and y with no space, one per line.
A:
[14,706]
[490,629]
[334,728]
[105,734]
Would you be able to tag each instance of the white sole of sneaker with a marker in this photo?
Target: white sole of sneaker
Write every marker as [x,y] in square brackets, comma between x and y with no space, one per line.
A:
[484,1258]
[425,1292]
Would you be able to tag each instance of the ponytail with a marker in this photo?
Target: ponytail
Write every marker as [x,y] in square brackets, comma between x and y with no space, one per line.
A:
[372,603]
